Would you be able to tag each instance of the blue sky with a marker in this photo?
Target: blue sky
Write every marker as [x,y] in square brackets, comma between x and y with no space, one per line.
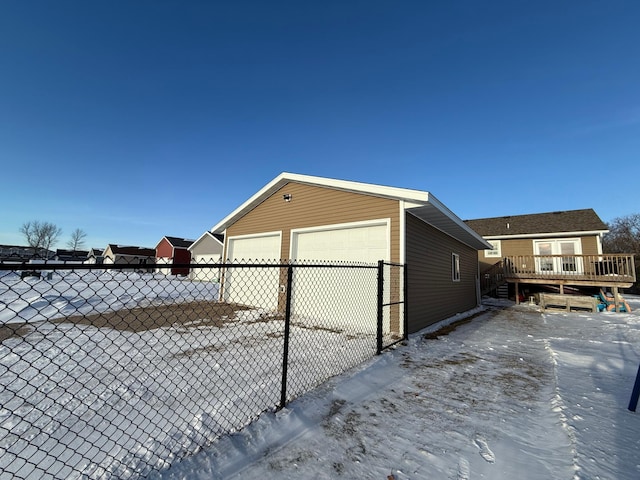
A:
[138,119]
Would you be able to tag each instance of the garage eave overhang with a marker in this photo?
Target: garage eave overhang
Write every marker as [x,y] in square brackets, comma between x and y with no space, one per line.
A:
[440,217]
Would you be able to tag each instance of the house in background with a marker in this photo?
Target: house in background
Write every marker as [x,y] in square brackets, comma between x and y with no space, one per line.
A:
[128,255]
[172,251]
[95,257]
[207,249]
[20,253]
[305,218]
[553,249]
[77,256]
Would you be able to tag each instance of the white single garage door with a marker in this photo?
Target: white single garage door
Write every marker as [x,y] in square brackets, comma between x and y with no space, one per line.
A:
[339,298]
[255,287]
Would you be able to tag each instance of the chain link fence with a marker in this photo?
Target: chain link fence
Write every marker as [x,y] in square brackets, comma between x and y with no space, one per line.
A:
[111,372]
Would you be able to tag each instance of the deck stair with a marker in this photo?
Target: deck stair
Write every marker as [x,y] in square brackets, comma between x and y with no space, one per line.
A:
[494,282]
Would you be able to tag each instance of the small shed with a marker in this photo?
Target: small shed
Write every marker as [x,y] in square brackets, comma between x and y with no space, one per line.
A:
[206,250]
[172,251]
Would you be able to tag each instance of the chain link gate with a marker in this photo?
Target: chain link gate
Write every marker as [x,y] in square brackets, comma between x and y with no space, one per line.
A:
[110,371]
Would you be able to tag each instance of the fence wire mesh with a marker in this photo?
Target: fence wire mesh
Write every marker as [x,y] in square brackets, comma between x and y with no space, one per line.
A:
[114,372]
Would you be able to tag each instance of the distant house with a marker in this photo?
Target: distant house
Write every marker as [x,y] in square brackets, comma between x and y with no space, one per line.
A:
[207,249]
[173,251]
[21,253]
[77,256]
[554,248]
[128,255]
[95,256]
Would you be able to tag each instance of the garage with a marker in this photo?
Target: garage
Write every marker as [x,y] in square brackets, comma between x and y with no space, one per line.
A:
[206,250]
[335,304]
[211,274]
[255,287]
[330,220]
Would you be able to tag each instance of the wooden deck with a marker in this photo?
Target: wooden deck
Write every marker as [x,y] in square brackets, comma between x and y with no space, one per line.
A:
[613,270]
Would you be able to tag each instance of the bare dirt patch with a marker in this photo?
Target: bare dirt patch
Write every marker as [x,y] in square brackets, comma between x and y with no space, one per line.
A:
[14,330]
[183,316]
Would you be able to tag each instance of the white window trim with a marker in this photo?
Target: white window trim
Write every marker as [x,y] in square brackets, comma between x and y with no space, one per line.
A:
[455,267]
[496,251]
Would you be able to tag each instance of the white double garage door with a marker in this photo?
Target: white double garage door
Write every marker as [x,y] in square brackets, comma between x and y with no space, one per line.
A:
[319,294]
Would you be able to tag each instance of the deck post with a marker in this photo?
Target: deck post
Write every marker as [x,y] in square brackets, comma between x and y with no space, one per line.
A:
[616,298]
[561,289]
[517,295]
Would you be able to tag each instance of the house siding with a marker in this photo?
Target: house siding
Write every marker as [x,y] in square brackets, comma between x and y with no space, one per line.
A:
[164,249]
[524,246]
[433,295]
[519,246]
[206,246]
[313,206]
[590,246]
[208,251]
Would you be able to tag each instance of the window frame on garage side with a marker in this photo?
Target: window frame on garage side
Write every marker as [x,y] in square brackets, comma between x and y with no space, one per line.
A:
[455,267]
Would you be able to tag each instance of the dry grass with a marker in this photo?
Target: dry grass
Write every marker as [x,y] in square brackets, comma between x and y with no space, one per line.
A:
[183,316]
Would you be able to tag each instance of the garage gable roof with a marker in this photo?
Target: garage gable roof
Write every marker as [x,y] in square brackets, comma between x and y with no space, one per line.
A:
[215,236]
[421,204]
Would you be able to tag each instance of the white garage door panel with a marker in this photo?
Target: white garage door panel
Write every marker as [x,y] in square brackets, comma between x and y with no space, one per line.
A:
[255,287]
[360,244]
[344,299]
[207,274]
[254,248]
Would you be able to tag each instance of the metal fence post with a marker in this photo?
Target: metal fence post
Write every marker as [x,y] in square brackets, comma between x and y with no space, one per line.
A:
[380,306]
[406,303]
[635,393]
[287,325]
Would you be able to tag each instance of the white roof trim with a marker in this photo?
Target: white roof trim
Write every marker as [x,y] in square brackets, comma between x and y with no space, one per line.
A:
[437,215]
[546,235]
[284,178]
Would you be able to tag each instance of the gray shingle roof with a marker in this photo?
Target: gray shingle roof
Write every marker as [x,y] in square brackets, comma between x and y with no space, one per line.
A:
[564,221]
[132,250]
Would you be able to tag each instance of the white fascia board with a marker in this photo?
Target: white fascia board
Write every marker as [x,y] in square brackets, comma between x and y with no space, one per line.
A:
[547,235]
[447,222]
[396,193]
[444,209]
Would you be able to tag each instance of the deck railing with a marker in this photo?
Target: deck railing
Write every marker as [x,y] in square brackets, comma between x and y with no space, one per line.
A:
[608,268]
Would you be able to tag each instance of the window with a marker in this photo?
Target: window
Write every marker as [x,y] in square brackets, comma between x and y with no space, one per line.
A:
[455,267]
[496,251]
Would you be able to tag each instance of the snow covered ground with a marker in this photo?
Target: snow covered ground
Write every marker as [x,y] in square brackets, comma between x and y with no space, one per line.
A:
[81,398]
[86,292]
[512,393]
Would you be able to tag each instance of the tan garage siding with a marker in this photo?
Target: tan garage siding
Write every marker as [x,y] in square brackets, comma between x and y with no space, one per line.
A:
[433,295]
[313,206]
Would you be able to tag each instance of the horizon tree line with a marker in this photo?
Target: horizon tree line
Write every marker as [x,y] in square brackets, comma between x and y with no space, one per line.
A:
[42,236]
